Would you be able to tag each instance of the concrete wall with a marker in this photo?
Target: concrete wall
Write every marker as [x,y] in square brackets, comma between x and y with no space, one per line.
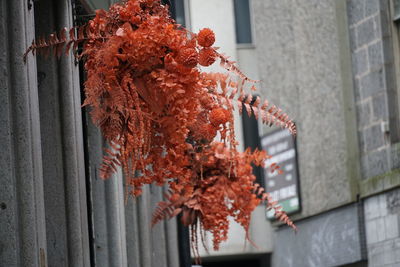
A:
[331,66]
[374,84]
[22,221]
[373,64]
[382,222]
[122,234]
[62,146]
[333,238]
[300,65]
[305,68]
[54,208]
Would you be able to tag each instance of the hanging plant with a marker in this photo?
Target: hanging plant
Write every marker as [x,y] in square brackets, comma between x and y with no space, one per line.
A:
[160,114]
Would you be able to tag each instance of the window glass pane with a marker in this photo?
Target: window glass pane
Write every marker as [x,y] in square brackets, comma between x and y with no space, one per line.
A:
[242,22]
[396,9]
[177,9]
[252,139]
[179,12]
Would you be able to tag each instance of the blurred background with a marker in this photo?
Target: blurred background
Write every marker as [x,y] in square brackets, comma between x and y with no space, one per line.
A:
[332,65]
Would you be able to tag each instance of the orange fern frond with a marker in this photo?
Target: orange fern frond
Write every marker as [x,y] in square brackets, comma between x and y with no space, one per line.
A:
[269,115]
[279,214]
[60,42]
[164,210]
[231,66]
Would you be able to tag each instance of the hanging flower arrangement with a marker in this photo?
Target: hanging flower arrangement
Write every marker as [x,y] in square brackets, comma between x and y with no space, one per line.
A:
[160,114]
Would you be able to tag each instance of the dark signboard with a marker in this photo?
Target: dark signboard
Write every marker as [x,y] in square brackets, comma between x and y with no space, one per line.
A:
[283,187]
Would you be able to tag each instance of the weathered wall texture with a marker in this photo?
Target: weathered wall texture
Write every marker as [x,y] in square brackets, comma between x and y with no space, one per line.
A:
[62,146]
[373,69]
[299,64]
[22,222]
[334,238]
[382,221]
[52,213]
[122,234]
[374,82]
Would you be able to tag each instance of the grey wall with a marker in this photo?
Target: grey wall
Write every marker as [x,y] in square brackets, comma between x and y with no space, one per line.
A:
[375,92]
[62,146]
[305,67]
[331,65]
[22,221]
[122,233]
[300,65]
[374,84]
[332,239]
[54,208]
[382,222]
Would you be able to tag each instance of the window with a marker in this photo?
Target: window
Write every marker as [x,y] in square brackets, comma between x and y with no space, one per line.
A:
[252,139]
[396,13]
[177,8]
[243,22]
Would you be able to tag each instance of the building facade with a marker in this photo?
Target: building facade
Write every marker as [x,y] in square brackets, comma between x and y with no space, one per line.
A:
[55,210]
[332,65]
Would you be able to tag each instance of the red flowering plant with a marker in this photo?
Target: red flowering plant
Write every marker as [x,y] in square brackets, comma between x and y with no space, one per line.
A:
[160,114]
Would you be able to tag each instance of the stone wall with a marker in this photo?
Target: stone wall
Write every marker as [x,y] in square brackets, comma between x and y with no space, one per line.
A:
[299,62]
[54,208]
[334,238]
[373,76]
[382,221]
[375,85]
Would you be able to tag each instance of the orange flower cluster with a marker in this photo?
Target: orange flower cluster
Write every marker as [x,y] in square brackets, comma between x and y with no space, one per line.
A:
[207,56]
[219,116]
[160,114]
[206,37]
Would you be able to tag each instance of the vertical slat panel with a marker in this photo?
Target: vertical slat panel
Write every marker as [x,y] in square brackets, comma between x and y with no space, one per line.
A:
[8,194]
[132,233]
[122,233]
[171,236]
[176,243]
[73,155]
[116,220]
[22,224]
[50,123]
[97,187]
[144,228]
[159,251]
[108,209]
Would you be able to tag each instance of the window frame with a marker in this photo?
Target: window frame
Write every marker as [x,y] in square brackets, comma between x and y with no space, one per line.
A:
[252,30]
